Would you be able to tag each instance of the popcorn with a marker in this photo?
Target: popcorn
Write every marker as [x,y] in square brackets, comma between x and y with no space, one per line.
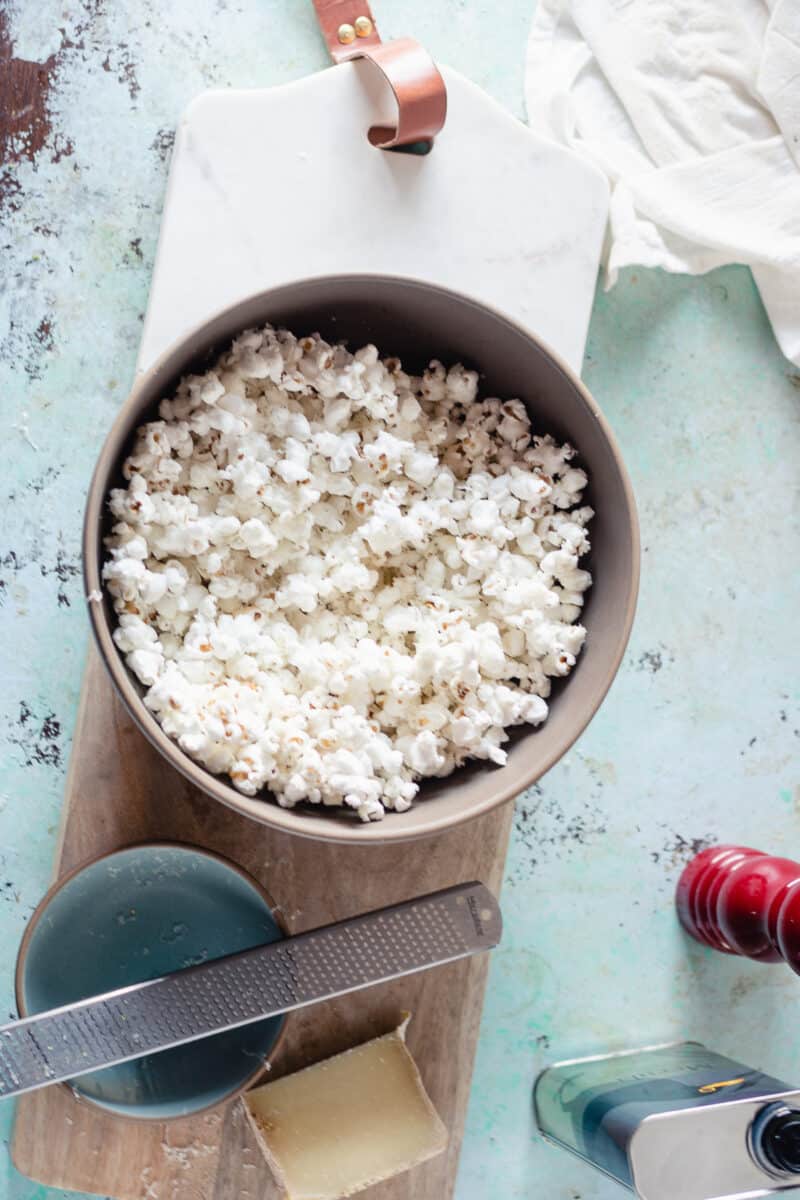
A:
[335,579]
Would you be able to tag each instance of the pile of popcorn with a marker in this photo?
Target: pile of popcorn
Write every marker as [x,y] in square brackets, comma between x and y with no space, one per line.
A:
[335,579]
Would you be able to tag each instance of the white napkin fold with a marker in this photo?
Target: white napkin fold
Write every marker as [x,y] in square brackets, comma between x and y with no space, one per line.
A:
[692,109]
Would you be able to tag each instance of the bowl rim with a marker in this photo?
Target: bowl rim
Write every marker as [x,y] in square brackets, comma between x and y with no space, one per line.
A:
[270,813]
[57,886]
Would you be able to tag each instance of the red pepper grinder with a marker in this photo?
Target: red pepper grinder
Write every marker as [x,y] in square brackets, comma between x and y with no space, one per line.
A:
[742,901]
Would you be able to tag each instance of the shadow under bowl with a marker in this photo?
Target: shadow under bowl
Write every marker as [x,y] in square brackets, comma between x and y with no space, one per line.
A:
[134,915]
[415,321]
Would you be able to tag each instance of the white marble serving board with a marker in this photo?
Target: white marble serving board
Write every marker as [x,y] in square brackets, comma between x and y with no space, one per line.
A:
[273,185]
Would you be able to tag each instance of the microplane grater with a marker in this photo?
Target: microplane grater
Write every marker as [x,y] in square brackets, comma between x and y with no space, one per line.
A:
[249,986]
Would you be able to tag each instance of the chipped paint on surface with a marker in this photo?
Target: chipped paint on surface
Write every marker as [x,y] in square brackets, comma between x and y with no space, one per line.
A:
[693,743]
[37,737]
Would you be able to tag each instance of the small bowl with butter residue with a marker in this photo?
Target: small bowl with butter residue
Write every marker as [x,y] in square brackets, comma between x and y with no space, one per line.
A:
[134,915]
[410,322]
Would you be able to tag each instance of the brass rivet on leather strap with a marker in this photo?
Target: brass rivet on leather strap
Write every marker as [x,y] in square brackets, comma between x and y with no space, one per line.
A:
[363,26]
[346,34]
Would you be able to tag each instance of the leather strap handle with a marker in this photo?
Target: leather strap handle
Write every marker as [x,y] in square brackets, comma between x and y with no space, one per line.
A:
[349,29]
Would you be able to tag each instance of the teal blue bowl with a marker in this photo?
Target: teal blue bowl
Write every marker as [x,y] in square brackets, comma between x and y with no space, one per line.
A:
[134,915]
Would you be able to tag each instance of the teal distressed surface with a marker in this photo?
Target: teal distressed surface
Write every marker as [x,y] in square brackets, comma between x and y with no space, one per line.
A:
[697,740]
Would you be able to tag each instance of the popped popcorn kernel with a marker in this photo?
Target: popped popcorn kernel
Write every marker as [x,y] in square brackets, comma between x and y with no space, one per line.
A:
[335,579]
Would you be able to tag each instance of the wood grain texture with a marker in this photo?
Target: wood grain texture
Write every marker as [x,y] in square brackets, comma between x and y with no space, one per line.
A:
[120,791]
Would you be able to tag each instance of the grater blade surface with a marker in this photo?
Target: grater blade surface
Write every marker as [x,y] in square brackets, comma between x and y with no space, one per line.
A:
[249,986]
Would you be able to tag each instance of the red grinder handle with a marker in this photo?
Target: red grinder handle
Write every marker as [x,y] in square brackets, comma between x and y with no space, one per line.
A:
[742,901]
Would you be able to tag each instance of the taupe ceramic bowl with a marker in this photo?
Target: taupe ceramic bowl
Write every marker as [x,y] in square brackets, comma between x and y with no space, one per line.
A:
[415,321]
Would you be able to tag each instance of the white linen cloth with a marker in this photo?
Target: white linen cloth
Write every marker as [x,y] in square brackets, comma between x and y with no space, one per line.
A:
[692,110]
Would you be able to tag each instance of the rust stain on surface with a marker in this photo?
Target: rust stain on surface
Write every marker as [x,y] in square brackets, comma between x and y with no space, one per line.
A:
[24,121]
[124,68]
[24,118]
[44,334]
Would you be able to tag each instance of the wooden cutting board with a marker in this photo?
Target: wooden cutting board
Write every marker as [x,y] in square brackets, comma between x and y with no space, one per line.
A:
[121,791]
[267,186]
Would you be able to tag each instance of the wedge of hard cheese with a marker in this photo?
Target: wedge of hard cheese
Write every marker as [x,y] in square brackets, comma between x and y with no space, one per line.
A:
[348,1122]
